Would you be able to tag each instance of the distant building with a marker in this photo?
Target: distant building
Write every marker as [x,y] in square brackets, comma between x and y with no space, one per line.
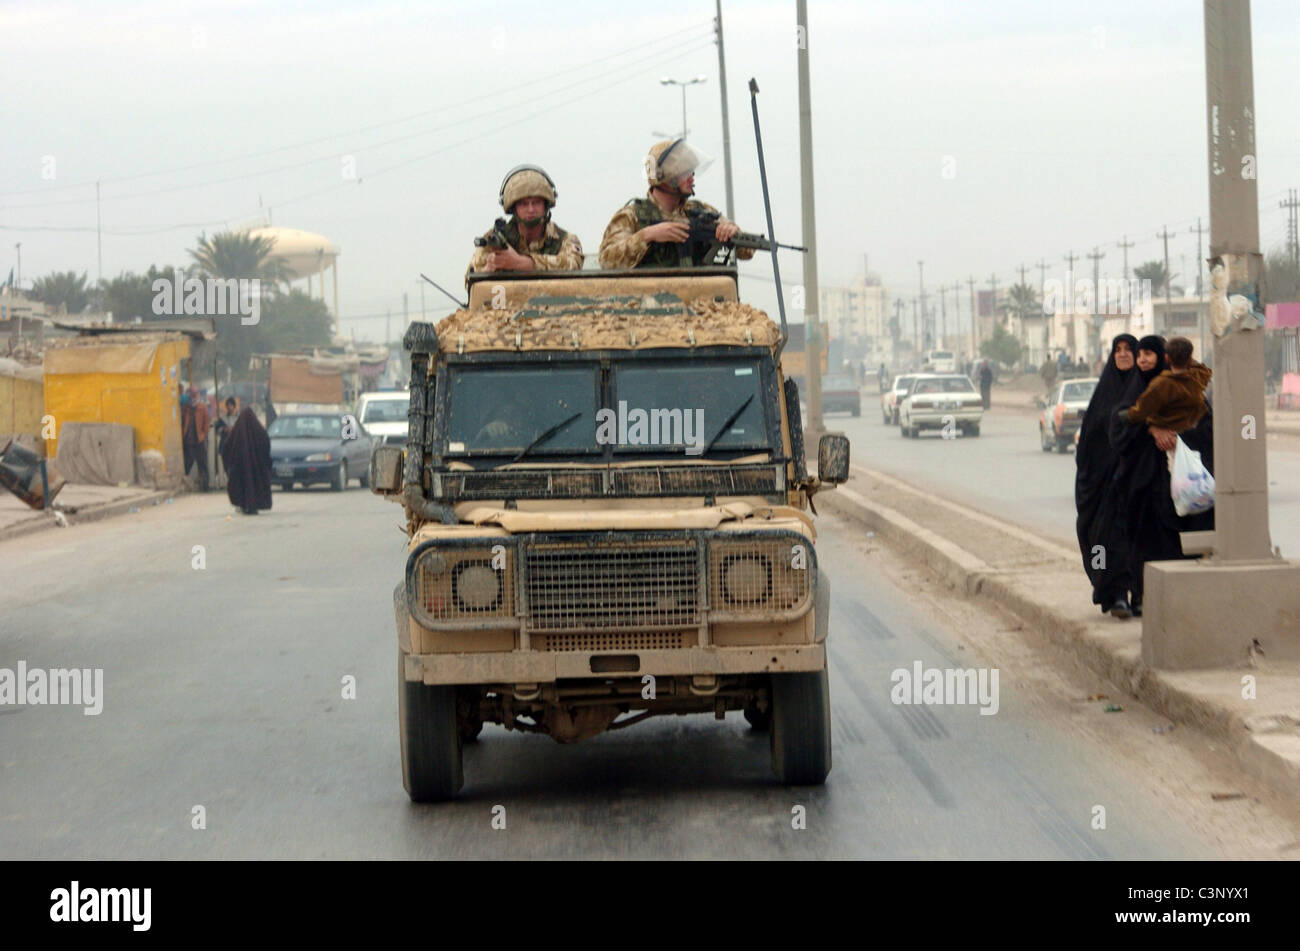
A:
[858,316]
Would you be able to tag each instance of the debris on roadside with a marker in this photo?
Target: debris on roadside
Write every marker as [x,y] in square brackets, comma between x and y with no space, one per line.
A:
[1226,796]
[1112,708]
[1167,728]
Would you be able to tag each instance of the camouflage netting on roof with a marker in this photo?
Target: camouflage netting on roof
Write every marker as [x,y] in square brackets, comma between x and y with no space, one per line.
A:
[703,323]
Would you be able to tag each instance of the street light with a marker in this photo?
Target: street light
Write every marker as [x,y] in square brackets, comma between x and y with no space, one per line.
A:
[667,81]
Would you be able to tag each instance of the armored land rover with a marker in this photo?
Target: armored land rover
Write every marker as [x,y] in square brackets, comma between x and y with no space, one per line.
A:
[607,504]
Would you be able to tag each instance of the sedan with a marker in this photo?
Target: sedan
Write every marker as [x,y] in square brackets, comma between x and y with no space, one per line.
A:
[840,392]
[890,398]
[1062,413]
[311,448]
[945,402]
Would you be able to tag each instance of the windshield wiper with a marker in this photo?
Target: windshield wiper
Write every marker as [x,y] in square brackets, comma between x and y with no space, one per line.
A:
[544,436]
[727,425]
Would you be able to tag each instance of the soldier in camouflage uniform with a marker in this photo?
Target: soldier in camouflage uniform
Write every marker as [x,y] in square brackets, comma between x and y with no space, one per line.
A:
[646,231]
[536,243]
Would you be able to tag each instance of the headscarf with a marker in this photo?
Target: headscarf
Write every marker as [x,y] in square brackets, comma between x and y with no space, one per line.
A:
[247,457]
[1110,388]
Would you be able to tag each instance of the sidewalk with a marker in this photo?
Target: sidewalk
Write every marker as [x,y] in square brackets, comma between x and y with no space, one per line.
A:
[1044,584]
[76,504]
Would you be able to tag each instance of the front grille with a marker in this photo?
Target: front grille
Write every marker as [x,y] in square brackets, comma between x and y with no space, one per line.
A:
[615,641]
[579,587]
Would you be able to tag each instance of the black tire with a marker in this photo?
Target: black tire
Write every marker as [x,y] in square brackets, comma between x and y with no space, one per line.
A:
[895,417]
[286,486]
[364,479]
[801,728]
[1062,445]
[430,740]
[902,431]
[973,430]
[340,481]
[1043,441]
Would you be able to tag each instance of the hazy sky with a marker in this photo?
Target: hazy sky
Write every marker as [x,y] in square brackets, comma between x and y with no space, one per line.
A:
[1068,126]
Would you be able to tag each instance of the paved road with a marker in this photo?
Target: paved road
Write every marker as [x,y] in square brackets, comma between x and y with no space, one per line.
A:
[1005,472]
[222,689]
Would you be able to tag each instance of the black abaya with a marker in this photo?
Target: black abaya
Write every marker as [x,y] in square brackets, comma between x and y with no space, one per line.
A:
[247,456]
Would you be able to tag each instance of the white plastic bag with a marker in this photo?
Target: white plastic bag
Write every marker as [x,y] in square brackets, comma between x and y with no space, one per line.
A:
[1190,483]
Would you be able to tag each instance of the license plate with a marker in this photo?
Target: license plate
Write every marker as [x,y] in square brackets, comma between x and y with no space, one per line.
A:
[947,406]
[284,470]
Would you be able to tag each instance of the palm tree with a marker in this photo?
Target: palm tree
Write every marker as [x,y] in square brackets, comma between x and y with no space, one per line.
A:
[240,255]
[1154,272]
[1024,301]
[63,287]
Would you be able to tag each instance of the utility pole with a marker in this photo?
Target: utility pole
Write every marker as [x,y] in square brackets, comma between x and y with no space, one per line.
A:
[812,300]
[1214,612]
[99,235]
[1166,235]
[1290,203]
[1095,257]
[943,316]
[925,325]
[1126,244]
[19,249]
[1201,312]
[974,319]
[993,283]
[726,124]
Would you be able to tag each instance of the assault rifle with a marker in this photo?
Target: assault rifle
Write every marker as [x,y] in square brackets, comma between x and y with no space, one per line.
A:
[495,240]
[702,246]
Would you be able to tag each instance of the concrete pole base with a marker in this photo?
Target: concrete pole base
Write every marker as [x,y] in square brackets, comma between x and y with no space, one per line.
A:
[1197,615]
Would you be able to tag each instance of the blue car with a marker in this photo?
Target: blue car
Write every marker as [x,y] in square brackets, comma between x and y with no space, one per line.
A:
[311,448]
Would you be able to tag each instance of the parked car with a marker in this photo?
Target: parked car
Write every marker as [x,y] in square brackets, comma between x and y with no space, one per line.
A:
[840,393]
[311,448]
[889,399]
[1062,413]
[383,413]
[940,400]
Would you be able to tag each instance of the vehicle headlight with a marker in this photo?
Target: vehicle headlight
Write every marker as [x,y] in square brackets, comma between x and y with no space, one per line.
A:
[320,457]
[768,574]
[746,579]
[476,586]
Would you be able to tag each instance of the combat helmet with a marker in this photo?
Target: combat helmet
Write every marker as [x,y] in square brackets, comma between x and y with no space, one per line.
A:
[527,181]
[669,160]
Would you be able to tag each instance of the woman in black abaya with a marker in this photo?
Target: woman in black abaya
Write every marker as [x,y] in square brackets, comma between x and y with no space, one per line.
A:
[1101,540]
[1141,482]
[247,457]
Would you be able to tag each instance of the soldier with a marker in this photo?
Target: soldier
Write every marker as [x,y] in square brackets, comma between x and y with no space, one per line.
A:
[536,243]
[646,231]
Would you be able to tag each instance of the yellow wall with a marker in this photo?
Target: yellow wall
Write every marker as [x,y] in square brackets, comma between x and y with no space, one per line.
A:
[21,405]
[145,401]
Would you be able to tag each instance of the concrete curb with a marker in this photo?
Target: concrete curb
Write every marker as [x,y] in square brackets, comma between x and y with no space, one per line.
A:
[40,521]
[1267,750]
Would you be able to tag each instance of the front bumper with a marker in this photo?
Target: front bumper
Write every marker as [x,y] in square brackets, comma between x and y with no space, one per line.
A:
[538,667]
[937,419]
[304,472]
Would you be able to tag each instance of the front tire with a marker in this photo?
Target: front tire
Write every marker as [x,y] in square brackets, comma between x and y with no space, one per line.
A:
[340,477]
[801,728]
[430,739]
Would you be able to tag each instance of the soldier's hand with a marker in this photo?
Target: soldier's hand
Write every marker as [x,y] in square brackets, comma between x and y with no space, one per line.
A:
[726,230]
[668,232]
[508,259]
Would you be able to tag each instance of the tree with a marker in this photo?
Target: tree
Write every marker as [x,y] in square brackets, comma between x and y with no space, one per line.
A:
[63,288]
[1002,347]
[1152,271]
[131,295]
[1024,301]
[240,255]
[294,321]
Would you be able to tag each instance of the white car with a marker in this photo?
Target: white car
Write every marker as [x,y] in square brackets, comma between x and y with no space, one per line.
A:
[940,361]
[937,401]
[383,413]
[890,398]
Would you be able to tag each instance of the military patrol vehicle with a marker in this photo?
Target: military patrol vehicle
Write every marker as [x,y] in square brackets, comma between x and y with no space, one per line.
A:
[608,511]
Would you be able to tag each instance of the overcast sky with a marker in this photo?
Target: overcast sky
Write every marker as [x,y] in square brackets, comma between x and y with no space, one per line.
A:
[1067,125]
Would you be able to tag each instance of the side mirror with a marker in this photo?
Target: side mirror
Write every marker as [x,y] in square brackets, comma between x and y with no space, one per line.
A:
[833,458]
[386,470]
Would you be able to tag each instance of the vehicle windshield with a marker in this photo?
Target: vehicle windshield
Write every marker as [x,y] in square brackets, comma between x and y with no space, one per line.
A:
[686,405]
[903,382]
[940,354]
[1077,392]
[386,411]
[839,381]
[504,410]
[306,427]
[944,384]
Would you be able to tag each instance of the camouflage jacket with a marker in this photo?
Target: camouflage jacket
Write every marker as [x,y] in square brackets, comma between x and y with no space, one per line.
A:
[623,246]
[558,250]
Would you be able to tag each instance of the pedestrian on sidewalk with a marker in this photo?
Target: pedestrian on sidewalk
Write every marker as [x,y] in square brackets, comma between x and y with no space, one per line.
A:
[1101,539]
[986,382]
[194,435]
[247,457]
[222,427]
[1144,508]
[1048,372]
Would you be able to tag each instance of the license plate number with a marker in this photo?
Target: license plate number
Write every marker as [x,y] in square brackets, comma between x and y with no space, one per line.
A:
[284,470]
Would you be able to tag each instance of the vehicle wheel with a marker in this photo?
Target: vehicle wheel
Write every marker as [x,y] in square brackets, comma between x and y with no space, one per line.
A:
[895,417]
[801,728]
[340,477]
[1062,445]
[286,486]
[902,431]
[364,479]
[856,411]
[430,740]
[973,430]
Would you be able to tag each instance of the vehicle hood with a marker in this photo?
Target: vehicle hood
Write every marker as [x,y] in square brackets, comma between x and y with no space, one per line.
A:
[591,520]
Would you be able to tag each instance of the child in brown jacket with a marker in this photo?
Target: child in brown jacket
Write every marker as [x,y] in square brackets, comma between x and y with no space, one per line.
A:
[1174,400]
